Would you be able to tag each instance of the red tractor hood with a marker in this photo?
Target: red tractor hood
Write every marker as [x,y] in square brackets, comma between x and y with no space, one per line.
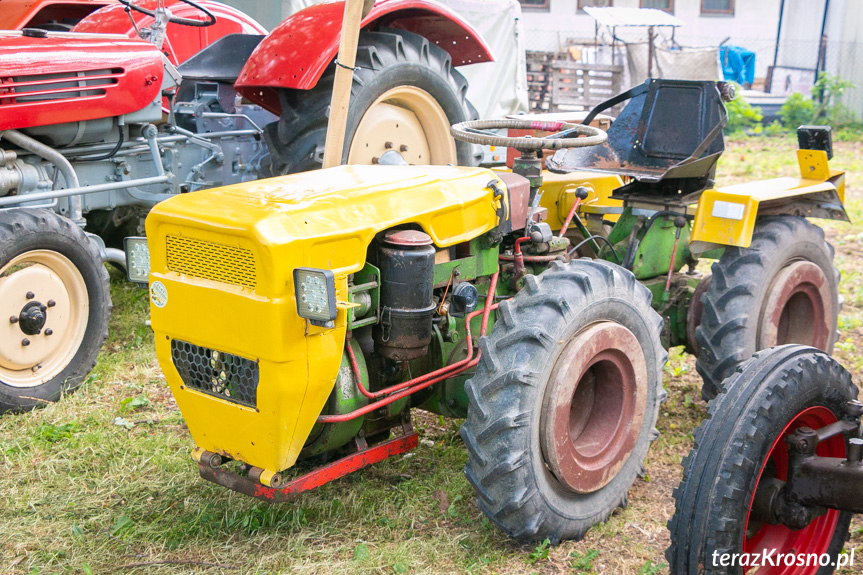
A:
[73,77]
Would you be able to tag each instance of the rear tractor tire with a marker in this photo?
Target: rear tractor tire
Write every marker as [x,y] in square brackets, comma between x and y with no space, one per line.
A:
[740,445]
[54,307]
[782,289]
[564,402]
[404,98]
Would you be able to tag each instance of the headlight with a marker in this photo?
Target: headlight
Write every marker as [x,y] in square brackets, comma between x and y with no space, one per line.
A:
[137,260]
[316,295]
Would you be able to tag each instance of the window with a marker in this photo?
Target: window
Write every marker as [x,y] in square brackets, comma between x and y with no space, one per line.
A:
[717,6]
[599,3]
[667,5]
[535,5]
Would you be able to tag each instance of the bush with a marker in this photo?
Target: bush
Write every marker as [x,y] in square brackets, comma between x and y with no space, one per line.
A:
[797,111]
[822,108]
[742,116]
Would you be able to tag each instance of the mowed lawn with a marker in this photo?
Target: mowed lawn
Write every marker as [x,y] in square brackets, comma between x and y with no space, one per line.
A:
[81,494]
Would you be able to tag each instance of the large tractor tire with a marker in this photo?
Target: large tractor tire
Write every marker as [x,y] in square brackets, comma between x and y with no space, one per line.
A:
[782,289]
[741,444]
[54,307]
[404,98]
[564,402]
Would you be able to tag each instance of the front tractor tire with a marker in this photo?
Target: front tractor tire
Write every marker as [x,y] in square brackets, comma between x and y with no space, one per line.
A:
[405,96]
[564,402]
[54,307]
[742,445]
[782,289]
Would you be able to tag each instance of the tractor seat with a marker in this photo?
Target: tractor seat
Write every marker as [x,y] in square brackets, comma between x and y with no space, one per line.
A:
[222,60]
[669,129]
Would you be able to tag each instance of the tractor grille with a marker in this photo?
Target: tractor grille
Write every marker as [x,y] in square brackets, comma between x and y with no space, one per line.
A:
[215,262]
[216,373]
[61,86]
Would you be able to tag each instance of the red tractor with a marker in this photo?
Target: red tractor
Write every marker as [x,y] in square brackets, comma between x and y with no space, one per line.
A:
[150,99]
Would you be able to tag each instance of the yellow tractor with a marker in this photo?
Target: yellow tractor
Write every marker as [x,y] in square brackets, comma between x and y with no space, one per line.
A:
[299,319]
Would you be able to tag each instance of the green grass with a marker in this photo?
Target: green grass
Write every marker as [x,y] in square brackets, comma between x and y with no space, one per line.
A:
[82,494]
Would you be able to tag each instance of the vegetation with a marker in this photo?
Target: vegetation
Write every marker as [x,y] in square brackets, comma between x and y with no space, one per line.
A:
[102,482]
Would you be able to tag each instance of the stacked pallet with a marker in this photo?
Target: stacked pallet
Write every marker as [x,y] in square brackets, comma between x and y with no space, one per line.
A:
[539,81]
[580,86]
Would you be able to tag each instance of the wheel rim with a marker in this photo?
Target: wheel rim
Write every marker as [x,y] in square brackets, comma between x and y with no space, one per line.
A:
[814,538]
[406,121]
[44,307]
[594,407]
[798,308]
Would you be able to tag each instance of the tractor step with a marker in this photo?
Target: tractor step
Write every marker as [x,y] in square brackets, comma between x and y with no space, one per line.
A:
[363,457]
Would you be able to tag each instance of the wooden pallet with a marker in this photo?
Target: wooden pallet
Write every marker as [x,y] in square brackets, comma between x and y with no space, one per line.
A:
[579,86]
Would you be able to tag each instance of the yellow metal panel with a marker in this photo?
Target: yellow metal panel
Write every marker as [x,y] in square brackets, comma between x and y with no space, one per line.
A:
[324,219]
[726,216]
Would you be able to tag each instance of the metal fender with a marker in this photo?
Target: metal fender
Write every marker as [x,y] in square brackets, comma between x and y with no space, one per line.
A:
[18,14]
[181,42]
[299,49]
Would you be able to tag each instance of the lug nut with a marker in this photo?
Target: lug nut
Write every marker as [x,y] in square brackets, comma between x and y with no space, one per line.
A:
[42,308]
[13,319]
[30,295]
[403,148]
[49,331]
[25,342]
[388,145]
[51,303]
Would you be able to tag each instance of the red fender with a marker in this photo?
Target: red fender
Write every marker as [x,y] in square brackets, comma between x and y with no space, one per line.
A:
[298,51]
[181,42]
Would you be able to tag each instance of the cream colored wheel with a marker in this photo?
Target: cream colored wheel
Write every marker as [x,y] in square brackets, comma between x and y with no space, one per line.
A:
[54,307]
[44,304]
[406,121]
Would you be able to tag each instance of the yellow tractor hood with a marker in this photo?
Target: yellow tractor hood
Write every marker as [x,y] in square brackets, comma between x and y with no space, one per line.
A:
[222,290]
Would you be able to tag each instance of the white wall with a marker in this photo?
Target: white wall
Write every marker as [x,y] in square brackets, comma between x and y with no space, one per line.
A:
[752,26]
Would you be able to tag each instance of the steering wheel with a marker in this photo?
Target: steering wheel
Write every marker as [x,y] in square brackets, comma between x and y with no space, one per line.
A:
[211,19]
[565,134]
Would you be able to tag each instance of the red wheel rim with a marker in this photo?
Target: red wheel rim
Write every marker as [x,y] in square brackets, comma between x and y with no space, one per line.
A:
[814,538]
[798,308]
[594,407]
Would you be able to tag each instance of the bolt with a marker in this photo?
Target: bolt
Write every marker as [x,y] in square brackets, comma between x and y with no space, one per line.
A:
[42,308]
[49,331]
[375,160]
[25,342]
[13,319]
[51,303]
[388,145]
[403,148]
[30,295]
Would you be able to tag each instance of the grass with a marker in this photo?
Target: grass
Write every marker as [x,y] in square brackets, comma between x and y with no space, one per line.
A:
[102,482]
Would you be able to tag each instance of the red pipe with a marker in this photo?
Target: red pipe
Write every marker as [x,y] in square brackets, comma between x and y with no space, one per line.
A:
[418,383]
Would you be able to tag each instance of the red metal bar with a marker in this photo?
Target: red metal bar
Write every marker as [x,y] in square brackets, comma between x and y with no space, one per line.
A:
[418,383]
[316,478]
[569,216]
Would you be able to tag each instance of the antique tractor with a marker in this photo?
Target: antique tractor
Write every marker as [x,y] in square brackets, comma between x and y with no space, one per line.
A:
[298,319]
[776,472]
[147,100]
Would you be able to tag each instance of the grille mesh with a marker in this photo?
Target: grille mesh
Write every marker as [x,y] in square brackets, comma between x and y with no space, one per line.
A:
[216,373]
[207,260]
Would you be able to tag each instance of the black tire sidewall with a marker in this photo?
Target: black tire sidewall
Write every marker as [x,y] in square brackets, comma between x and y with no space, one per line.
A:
[622,312]
[63,237]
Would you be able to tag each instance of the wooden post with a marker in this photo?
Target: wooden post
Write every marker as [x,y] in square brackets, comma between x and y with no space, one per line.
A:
[355,10]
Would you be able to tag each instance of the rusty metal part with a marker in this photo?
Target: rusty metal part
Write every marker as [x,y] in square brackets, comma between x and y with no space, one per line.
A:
[797,308]
[363,457]
[594,406]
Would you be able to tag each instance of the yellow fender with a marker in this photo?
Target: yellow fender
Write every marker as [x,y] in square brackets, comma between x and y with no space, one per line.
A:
[726,216]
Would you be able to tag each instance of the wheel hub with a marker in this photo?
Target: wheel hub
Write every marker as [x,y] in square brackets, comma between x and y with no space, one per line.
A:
[594,407]
[797,308]
[32,318]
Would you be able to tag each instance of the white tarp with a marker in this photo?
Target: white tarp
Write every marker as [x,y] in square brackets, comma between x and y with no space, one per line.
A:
[498,88]
[679,64]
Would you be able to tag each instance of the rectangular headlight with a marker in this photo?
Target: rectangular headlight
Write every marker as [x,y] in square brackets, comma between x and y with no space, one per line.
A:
[137,260]
[316,295]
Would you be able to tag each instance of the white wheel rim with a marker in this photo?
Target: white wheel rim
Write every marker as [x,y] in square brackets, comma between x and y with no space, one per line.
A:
[411,123]
[49,278]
